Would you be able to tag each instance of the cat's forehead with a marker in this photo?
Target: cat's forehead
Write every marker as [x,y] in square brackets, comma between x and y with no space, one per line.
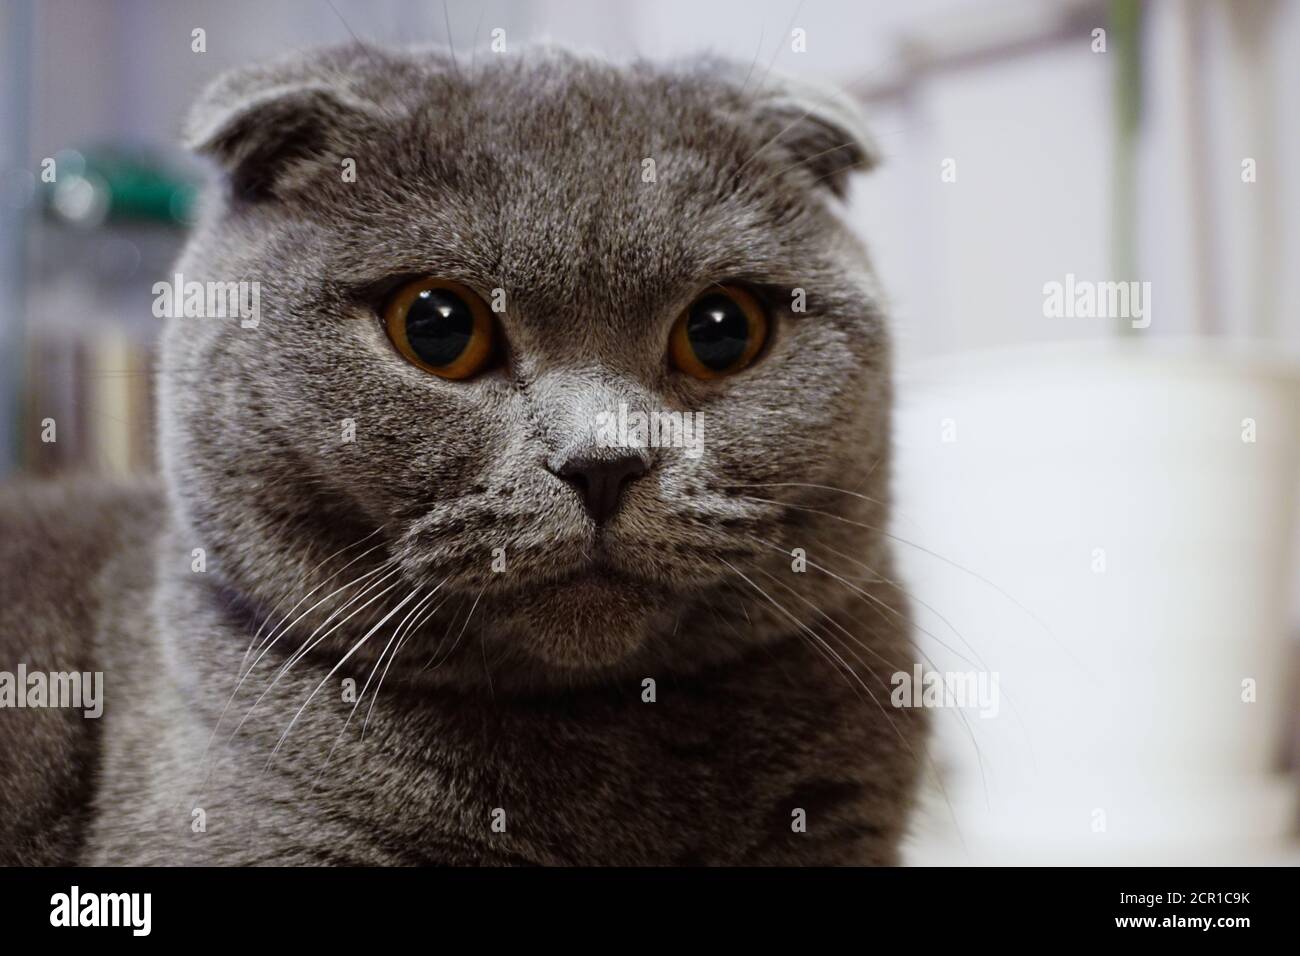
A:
[564,181]
[580,143]
[569,183]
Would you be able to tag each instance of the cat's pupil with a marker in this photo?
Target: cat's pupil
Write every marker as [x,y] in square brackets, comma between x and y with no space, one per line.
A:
[718,331]
[439,325]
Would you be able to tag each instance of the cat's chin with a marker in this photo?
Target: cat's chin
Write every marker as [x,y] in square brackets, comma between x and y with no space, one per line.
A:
[587,621]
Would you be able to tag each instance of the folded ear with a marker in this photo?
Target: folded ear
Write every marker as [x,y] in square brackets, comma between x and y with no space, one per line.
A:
[271,128]
[820,129]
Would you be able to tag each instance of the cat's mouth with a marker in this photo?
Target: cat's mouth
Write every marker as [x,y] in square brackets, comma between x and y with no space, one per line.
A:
[596,570]
[592,615]
[600,573]
[577,601]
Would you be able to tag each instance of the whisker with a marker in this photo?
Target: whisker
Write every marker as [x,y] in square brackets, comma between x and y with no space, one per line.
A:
[849,671]
[273,638]
[975,651]
[933,554]
[307,576]
[912,597]
[805,161]
[413,629]
[802,484]
[397,632]
[781,43]
[306,646]
[334,670]
[312,641]
[246,674]
[892,665]
[903,740]
[875,601]
[758,152]
[452,649]
[961,717]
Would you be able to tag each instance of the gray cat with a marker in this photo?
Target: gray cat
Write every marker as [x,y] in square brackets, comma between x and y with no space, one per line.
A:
[413,590]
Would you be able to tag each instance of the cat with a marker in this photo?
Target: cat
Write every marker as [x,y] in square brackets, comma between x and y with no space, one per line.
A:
[395,599]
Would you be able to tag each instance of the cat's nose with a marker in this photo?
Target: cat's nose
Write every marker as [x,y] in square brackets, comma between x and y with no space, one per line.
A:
[600,481]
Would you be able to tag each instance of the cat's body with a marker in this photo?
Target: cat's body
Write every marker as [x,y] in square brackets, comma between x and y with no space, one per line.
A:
[665,687]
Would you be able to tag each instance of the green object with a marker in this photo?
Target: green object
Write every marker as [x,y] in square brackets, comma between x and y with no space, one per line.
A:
[1126,31]
[120,185]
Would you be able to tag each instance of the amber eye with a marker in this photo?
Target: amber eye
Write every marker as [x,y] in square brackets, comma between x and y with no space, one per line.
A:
[719,334]
[442,327]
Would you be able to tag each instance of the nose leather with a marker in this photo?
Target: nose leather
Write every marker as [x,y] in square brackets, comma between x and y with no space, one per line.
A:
[599,482]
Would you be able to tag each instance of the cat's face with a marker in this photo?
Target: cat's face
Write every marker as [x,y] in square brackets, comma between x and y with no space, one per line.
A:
[525,189]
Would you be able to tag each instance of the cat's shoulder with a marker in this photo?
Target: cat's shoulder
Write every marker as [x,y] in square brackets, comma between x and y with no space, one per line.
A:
[52,531]
[57,540]
[62,547]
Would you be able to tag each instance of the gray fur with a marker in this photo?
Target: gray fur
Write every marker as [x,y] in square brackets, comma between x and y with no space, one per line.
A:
[523,691]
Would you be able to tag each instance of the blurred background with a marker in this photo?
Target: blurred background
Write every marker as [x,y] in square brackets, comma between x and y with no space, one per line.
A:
[1098,509]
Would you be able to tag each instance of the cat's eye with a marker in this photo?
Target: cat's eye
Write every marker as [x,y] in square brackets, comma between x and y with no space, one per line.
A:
[442,327]
[719,334]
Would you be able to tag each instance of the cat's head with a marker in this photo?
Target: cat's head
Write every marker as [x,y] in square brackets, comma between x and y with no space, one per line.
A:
[473,280]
